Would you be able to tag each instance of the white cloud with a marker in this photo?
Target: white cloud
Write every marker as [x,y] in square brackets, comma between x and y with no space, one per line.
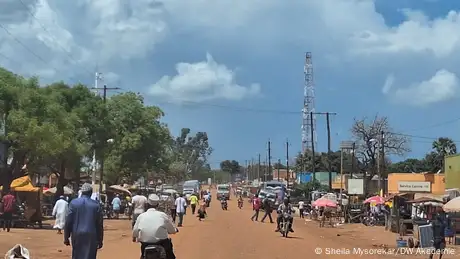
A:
[444,85]
[389,81]
[202,81]
[74,37]
[417,34]
[82,34]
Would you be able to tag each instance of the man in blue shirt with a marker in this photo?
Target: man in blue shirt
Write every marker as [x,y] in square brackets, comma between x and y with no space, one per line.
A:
[116,205]
[84,225]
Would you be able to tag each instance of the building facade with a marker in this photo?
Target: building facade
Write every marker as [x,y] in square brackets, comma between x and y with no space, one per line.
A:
[452,171]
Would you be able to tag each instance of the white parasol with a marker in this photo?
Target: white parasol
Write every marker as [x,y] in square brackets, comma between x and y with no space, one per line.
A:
[452,206]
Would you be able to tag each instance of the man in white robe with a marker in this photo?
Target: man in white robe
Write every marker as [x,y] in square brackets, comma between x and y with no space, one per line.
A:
[60,213]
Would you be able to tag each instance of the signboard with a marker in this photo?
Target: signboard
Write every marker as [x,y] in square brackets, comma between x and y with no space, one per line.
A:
[414,186]
[355,186]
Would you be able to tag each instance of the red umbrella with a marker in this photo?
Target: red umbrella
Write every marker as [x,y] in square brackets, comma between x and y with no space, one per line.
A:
[375,199]
[323,202]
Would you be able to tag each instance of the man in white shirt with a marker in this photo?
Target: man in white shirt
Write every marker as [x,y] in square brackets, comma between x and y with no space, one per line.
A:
[301,208]
[180,208]
[153,227]
[139,203]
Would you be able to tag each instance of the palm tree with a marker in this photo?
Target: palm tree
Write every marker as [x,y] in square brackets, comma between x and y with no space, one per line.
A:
[444,146]
[441,148]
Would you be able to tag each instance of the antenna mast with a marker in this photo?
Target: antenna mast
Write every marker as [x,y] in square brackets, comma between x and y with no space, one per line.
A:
[308,106]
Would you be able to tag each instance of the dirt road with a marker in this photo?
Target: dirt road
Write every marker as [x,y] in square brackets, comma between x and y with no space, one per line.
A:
[223,235]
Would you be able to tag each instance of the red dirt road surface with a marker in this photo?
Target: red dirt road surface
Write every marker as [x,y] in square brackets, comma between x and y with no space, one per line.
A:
[229,235]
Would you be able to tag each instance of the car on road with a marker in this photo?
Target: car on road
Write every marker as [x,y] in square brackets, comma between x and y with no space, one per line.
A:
[166,194]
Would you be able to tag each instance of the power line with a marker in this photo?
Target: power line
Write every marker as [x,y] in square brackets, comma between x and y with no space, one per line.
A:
[52,36]
[435,125]
[32,52]
[418,137]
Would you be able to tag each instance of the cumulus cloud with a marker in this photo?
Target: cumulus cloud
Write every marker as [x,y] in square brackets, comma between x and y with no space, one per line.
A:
[73,37]
[70,38]
[444,85]
[202,81]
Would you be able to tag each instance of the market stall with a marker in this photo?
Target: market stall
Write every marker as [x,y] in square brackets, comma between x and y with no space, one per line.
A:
[28,199]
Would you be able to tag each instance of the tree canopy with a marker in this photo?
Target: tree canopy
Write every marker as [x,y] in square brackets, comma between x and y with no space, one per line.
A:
[432,162]
[57,128]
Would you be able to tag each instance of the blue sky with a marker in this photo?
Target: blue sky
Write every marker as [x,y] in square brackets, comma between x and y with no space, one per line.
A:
[212,65]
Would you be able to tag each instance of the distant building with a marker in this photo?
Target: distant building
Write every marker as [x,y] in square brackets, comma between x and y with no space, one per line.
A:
[322,177]
[283,174]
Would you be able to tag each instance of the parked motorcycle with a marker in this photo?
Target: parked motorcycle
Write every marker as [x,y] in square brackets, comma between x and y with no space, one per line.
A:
[369,221]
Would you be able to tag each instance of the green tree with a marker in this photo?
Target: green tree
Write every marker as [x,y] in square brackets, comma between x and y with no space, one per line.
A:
[192,151]
[409,165]
[230,166]
[304,189]
[140,140]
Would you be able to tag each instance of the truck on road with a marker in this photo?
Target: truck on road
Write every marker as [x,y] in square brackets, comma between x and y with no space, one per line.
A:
[223,191]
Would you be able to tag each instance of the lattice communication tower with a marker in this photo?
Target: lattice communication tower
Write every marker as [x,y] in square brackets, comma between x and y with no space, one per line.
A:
[308,106]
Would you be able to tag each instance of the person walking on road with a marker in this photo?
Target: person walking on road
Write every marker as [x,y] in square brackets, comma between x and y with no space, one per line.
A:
[84,225]
[153,227]
[60,213]
[256,204]
[267,206]
[139,202]
[116,206]
[8,204]
[180,208]
[301,208]
[193,202]
[172,201]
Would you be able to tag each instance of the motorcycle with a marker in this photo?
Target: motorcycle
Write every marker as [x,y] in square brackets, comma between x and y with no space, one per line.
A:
[285,225]
[370,221]
[224,205]
[155,251]
[240,204]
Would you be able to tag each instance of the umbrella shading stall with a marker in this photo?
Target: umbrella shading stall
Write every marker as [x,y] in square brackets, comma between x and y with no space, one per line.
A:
[323,202]
[452,206]
[120,188]
[52,191]
[375,200]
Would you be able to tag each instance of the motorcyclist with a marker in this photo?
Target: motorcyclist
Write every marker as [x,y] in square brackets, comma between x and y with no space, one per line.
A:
[155,226]
[240,201]
[284,208]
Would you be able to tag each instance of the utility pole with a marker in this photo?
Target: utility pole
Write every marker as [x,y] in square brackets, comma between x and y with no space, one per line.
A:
[382,158]
[329,164]
[287,162]
[329,150]
[269,159]
[258,170]
[104,98]
[265,174]
[246,170]
[252,169]
[313,158]
[279,164]
[352,160]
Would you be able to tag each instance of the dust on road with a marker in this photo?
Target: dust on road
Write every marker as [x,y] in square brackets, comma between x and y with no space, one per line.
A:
[224,235]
